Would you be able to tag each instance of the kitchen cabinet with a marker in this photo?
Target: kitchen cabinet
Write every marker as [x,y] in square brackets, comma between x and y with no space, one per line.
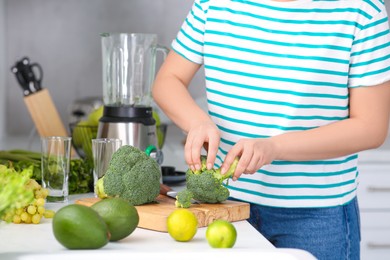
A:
[374,203]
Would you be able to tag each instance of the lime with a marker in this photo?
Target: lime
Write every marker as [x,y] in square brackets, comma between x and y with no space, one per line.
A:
[221,234]
[120,216]
[182,225]
[80,227]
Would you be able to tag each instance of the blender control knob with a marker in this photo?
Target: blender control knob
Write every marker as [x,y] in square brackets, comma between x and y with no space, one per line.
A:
[155,153]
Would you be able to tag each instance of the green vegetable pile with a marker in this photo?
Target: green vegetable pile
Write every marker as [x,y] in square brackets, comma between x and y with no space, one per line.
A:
[205,185]
[80,171]
[131,175]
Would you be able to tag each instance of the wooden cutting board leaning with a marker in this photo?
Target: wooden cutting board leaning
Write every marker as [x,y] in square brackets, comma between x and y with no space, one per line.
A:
[154,216]
[44,114]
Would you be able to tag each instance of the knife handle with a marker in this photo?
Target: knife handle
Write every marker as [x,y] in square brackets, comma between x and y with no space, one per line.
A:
[164,189]
[38,80]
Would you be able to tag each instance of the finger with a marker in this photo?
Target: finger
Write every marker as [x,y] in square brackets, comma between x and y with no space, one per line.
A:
[234,152]
[240,169]
[253,165]
[212,151]
[245,160]
[196,148]
[188,152]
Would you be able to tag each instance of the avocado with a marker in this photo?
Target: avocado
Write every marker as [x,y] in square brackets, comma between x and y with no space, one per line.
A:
[80,227]
[120,216]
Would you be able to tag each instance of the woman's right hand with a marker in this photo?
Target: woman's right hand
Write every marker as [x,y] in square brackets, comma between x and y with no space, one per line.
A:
[201,134]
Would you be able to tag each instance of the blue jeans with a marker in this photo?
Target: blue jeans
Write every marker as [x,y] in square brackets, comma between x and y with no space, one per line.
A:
[327,233]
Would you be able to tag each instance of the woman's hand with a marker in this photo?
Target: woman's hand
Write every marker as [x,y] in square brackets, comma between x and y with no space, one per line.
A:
[201,134]
[253,154]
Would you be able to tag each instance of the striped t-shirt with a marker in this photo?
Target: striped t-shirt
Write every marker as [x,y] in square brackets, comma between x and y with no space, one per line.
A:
[275,67]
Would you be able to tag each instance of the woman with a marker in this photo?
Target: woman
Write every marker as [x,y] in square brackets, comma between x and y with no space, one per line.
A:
[295,89]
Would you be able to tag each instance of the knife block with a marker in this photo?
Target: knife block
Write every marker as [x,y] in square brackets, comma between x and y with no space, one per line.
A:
[44,114]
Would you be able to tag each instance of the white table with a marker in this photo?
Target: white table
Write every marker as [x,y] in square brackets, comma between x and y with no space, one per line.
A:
[29,241]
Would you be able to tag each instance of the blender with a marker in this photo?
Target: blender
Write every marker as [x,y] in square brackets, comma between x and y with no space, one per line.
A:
[129,65]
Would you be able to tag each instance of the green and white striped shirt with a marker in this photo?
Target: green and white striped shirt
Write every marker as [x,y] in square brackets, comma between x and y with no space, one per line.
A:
[276,67]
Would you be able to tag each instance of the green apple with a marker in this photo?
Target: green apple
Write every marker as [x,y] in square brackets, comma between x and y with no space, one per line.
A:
[95,115]
[156,117]
[160,131]
[82,136]
[79,133]
[221,234]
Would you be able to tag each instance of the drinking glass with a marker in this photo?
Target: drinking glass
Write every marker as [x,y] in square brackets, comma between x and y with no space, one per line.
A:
[102,151]
[55,167]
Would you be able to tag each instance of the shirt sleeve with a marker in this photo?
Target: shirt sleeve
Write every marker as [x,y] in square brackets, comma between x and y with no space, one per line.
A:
[190,39]
[370,55]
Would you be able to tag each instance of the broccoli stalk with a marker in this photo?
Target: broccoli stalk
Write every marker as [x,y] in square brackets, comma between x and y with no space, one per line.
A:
[205,185]
[131,175]
[99,189]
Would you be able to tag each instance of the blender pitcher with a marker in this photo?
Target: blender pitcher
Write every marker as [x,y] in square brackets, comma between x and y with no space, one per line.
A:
[129,66]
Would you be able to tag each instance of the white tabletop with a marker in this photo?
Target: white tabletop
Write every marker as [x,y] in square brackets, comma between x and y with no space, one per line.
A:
[29,241]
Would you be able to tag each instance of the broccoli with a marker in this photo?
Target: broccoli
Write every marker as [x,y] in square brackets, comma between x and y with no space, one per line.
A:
[183,199]
[131,175]
[205,185]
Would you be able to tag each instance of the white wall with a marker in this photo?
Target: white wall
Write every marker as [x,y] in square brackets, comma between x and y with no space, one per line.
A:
[2,70]
[63,36]
[387,3]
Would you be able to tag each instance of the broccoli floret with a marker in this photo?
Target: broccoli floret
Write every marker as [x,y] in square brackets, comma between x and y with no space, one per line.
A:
[206,185]
[183,199]
[131,175]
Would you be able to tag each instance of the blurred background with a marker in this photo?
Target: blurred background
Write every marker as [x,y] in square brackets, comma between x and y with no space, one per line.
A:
[63,37]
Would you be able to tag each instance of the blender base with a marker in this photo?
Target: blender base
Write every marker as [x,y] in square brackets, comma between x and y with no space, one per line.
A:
[135,134]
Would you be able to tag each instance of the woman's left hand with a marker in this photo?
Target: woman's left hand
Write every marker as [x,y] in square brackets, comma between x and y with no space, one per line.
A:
[253,154]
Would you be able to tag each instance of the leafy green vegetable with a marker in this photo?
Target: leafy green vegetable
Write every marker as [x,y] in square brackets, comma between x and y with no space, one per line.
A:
[80,177]
[13,191]
[80,171]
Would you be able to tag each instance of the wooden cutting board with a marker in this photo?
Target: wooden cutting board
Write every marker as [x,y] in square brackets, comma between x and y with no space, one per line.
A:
[154,216]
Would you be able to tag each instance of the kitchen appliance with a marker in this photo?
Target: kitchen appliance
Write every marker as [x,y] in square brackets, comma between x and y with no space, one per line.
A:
[129,63]
[38,100]
[81,108]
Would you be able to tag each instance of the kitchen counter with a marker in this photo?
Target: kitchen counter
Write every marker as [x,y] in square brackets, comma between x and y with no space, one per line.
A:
[29,241]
